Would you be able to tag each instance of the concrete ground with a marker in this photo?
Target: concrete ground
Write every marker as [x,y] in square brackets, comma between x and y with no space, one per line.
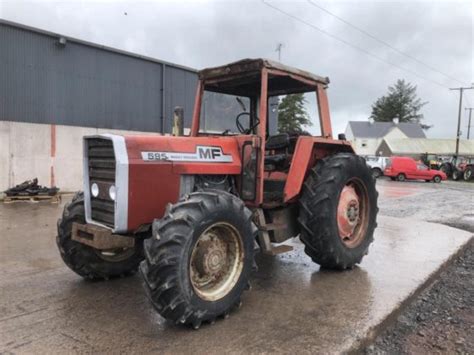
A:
[293,306]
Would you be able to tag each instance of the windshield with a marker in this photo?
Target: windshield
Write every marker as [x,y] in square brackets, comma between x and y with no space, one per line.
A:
[219,113]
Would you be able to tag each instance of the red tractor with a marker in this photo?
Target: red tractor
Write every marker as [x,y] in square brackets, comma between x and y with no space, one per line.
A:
[189,212]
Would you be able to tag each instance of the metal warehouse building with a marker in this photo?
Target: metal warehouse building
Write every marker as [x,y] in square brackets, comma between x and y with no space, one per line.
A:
[54,89]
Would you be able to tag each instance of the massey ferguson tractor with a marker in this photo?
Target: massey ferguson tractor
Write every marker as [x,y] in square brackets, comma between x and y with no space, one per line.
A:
[189,212]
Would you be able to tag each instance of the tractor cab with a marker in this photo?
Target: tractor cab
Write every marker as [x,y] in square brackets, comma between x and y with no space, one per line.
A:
[236,100]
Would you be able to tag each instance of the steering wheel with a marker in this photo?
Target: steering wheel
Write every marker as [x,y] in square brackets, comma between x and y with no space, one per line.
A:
[241,128]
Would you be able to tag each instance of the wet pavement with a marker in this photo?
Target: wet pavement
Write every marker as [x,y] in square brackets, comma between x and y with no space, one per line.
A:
[293,305]
[450,202]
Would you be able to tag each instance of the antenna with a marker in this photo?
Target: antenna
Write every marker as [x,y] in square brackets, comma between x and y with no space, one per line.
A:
[278,49]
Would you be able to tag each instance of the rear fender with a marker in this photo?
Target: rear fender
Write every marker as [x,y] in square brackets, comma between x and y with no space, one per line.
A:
[308,151]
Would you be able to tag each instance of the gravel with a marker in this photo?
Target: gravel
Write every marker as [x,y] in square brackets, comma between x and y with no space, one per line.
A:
[441,319]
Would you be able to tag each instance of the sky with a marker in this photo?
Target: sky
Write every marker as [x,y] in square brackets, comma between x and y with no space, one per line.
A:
[436,37]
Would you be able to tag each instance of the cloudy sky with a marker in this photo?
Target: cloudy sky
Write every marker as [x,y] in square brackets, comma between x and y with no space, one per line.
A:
[440,34]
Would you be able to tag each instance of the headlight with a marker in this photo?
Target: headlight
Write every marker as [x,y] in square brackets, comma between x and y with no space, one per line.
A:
[95,190]
[112,193]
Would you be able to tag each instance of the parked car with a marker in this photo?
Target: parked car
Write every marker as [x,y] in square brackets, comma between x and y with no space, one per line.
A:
[404,168]
[377,164]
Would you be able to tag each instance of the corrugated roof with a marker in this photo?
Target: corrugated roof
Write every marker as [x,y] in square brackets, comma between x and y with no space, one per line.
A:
[94,45]
[433,146]
[365,129]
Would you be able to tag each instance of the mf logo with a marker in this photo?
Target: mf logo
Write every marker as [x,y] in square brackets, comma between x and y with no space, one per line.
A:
[202,154]
[209,152]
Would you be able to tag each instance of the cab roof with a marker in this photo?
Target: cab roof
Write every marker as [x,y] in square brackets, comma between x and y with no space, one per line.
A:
[243,78]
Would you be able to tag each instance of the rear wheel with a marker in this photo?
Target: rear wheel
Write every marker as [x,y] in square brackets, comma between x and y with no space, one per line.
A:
[468,173]
[338,210]
[437,179]
[200,256]
[86,261]
[401,177]
[376,173]
[447,169]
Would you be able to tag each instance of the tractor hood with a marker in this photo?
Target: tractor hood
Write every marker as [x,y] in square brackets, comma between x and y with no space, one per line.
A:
[129,180]
[187,155]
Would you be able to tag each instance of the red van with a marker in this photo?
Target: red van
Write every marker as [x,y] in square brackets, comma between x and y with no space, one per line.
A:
[403,168]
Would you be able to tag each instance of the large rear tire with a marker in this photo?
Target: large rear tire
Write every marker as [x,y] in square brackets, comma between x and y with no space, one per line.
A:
[447,168]
[86,261]
[338,210]
[200,257]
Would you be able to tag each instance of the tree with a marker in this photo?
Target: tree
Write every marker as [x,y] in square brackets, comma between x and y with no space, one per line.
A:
[292,114]
[401,102]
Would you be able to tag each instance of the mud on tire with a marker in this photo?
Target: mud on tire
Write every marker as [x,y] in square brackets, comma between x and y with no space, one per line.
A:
[319,216]
[85,260]
[168,267]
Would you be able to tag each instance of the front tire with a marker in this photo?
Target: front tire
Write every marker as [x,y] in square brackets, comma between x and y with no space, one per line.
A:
[338,210]
[456,174]
[200,257]
[401,177]
[437,179]
[86,261]
[468,173]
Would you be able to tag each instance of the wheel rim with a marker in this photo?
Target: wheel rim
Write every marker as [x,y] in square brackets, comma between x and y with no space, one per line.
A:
[352,213]
[216,261]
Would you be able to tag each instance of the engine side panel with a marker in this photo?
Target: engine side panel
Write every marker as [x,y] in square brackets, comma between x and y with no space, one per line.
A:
[157,162]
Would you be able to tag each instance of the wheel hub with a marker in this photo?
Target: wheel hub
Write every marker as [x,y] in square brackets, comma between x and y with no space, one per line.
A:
[351,215]
[211,257]
[216,261]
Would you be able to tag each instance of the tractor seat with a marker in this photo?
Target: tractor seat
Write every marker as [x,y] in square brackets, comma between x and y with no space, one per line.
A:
[277,142]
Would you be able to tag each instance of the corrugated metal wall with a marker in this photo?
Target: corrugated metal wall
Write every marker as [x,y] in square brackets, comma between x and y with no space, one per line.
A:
[80,84]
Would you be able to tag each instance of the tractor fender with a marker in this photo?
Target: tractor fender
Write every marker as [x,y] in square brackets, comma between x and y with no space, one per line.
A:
[307,152]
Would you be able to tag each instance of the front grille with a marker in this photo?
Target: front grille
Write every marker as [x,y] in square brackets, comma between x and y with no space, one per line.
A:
[102,172]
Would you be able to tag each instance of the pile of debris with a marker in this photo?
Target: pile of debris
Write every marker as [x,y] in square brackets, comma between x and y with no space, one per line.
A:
[30,189]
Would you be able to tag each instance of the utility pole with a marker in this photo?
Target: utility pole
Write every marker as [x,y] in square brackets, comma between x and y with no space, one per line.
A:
[469,124]
[458,132]
[278,49]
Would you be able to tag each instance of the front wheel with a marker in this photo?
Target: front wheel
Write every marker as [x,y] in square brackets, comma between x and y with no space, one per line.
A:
[401,177]
[456,174]
[86,261]
[437,179]
[468,173]
[200,256]
[338,210]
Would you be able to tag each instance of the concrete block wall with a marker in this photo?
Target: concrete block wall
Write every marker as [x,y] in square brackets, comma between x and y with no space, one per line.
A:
[52,153]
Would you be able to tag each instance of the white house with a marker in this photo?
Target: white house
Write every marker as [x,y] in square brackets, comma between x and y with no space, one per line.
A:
[366,136]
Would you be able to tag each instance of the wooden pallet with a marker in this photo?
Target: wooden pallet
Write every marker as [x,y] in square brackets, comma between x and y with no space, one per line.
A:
[33,199]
